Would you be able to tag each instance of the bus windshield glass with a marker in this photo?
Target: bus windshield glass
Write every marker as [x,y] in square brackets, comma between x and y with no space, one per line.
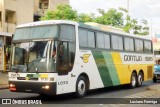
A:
[38,32]
[32,57]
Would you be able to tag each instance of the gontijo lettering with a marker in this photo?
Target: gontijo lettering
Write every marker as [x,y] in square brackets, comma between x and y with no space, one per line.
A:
[132,58]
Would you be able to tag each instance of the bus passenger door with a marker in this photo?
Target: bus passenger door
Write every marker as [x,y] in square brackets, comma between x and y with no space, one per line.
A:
[65,60]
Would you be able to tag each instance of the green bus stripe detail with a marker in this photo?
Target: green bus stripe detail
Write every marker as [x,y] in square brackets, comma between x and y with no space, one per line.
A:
[33,75]
[36,75]
[103,70]
[30,75]
[111,68]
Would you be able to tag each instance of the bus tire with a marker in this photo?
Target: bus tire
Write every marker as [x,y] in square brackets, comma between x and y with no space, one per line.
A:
[154,80]
[139,79]
[81,86]
[133,80]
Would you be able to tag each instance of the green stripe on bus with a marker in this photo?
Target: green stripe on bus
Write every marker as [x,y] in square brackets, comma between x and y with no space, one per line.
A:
[111,68]
[30,75]
[103,70]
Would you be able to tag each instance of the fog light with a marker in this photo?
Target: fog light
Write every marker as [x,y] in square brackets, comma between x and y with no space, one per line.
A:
[11,85]
[45,87]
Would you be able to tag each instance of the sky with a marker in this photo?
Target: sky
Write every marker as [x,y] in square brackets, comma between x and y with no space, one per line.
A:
[139,9]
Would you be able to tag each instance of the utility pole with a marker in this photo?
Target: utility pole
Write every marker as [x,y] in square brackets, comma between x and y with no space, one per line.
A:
[128,7]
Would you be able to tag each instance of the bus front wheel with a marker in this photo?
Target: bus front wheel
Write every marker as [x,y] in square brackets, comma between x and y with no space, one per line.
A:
[81,86]
[133,80]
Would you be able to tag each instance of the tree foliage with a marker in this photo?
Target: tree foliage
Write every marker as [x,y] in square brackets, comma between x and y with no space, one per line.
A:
[111,17]
[117,18]
[64,12]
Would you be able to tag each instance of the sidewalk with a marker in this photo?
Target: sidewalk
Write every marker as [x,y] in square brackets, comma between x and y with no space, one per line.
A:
[3,80]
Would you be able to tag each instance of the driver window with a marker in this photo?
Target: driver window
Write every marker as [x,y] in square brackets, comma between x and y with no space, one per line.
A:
[63,57]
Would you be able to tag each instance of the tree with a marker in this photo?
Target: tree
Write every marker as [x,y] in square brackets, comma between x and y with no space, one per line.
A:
[63,12]
[85,18]
[111,17]
[134,26]
[117,18]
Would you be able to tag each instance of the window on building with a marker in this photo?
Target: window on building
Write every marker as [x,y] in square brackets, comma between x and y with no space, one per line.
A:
[10,16]
[45,4]
[0,16]
[40,5]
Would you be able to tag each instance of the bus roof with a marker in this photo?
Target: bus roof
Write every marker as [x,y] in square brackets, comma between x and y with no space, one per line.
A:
[91,26]
[47,22]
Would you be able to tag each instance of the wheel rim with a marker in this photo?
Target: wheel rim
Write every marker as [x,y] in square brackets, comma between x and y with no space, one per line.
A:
[81,87]
[140,79]
[133,81]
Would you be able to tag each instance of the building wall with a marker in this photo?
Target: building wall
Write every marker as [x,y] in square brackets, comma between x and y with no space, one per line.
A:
[17,12]
[23,8]
[22,11]
[53,3]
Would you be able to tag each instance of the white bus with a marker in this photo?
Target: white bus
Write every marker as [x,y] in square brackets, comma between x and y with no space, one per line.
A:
[56,57]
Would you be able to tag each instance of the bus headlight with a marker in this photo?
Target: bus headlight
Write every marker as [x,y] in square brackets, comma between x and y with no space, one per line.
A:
[45,87]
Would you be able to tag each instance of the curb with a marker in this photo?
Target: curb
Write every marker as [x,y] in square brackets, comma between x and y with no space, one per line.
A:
[155,87]
[2,88]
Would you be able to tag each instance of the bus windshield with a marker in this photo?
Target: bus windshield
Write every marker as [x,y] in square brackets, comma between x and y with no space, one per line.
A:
[39,32]
[32,57]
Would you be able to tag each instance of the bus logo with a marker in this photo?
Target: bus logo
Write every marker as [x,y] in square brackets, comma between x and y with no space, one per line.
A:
[85,58]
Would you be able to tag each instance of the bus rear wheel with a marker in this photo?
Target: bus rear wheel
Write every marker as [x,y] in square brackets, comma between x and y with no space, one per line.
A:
[81,86]
[133,80]
[139,79]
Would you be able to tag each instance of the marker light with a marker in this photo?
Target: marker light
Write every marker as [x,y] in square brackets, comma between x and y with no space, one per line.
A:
[11,85]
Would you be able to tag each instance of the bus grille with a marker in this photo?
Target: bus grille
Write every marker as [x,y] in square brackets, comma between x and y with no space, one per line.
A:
[149,72]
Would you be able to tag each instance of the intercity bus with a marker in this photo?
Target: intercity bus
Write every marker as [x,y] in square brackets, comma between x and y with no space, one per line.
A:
[87,57]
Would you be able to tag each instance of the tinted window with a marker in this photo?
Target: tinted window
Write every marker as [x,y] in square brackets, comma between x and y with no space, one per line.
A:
[139,45]
[103,41]
[117,42]
[67,32]
[83,38]
[107,41]
[120,43]
[91,39]
[129,44]
[100,40]
[86,38]
[147,46]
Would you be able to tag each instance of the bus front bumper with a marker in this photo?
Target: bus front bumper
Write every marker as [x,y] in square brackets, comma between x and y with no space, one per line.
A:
[33,87]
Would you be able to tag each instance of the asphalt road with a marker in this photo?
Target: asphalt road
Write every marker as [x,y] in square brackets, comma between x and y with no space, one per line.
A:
[112,92]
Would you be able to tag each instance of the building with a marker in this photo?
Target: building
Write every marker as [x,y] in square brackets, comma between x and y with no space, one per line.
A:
[15,12]
[41,7]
